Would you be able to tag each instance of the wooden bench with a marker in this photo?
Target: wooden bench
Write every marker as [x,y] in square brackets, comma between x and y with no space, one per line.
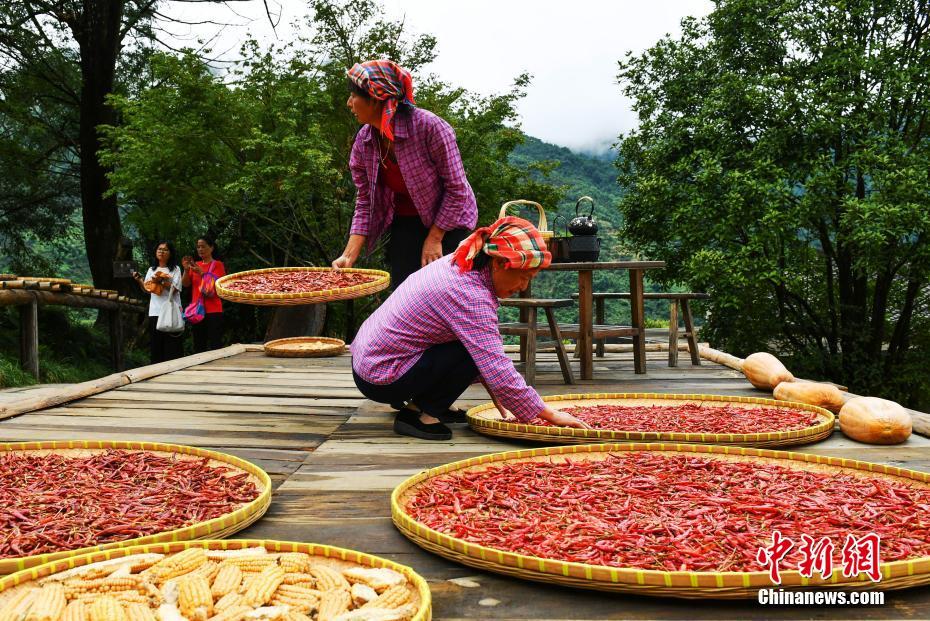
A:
[673,335]
[531,330]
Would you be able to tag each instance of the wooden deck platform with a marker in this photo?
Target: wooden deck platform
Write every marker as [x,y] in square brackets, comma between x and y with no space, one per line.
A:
[334,460]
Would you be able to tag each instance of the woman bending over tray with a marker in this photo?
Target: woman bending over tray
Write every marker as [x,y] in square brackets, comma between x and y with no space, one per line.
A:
[438,333]
[408,173]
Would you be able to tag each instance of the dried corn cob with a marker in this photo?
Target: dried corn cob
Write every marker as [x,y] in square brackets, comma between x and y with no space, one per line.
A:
[393,597]
[295,578]
[328,578]
[139,612]
[228,601]
[124,597]
[227,580]
[49,603]
[17,606]
[233,613]
[378,578]
[248,580]
[362,594]
[194,599]
[294,562]
[177,565]
[136,562]
[333,603]
[303,600]
[77,588]
[264,587]
[208,570]
[75,611]
[252,563]
[106,608]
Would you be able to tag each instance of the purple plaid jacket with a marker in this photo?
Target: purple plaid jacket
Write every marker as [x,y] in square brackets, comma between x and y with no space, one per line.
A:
[440,304]
[430,162]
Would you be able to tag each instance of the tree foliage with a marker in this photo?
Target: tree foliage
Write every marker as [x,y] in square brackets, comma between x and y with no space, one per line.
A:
[781,163]
[259,156]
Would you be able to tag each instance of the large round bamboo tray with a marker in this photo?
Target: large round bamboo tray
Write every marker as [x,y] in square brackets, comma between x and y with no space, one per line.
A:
[382,281]
[336,557]
[303,347]
[486,419]
[680,584]
[222,526]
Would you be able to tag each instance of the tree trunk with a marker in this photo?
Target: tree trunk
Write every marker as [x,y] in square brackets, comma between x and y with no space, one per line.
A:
[304,320]
[97,31]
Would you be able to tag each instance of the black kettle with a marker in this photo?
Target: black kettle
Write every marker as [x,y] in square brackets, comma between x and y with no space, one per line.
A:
[583,224]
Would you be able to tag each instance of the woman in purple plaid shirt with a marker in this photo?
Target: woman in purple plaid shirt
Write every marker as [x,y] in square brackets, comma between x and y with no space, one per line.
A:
[408,172]
[437,334]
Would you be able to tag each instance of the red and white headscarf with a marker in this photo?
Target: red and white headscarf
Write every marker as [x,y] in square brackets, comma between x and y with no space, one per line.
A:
[511,238]
[385,81]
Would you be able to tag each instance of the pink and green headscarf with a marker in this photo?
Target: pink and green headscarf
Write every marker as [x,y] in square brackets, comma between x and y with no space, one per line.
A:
[385,81]
[513,239]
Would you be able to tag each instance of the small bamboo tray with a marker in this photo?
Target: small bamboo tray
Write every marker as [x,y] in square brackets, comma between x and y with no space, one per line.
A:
[487,420]
[222,526]
[304,347]
[679,584]
[336,557]
[382,281]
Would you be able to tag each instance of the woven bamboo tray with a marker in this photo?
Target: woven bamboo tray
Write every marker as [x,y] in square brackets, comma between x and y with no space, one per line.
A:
[301,347]
[679,584]
[337,557]
[381,282]
[222,526]
[487,420]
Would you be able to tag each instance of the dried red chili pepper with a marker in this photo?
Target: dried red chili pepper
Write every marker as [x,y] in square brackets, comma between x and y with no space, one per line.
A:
[55,502]
[691,418]
[297,281]
[664,511]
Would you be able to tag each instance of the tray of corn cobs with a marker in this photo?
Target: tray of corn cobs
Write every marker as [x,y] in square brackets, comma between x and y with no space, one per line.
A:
[220,580]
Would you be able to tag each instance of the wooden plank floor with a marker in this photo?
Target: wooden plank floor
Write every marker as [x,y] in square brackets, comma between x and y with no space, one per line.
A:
[334,461]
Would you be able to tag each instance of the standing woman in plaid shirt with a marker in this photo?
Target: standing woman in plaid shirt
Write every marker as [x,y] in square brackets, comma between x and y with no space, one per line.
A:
[408,173]
[437,334]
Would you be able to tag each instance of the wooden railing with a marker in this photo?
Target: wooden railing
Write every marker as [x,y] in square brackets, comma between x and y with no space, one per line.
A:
[29,292]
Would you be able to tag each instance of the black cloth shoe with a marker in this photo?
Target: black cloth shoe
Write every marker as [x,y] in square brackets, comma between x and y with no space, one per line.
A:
[407,423]
[453,416]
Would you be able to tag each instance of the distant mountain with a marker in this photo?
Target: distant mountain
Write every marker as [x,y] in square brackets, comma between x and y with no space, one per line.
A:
[585,175]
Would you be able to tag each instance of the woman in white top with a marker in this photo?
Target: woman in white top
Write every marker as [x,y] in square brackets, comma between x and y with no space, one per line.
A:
[163,282]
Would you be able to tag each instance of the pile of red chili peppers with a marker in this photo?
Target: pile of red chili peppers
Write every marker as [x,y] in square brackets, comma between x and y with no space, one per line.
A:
[53,502]
[297,281]
[691,418]
[669,512]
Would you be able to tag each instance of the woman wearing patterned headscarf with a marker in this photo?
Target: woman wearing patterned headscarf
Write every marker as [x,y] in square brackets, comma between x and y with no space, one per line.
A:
[438,333]
[408,173]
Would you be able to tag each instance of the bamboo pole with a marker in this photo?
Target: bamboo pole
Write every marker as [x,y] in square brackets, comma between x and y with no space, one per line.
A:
[16,297]
[113,381]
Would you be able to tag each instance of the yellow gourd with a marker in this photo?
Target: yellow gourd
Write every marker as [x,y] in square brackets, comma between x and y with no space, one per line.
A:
[875,421]
[823,395]
[765,371]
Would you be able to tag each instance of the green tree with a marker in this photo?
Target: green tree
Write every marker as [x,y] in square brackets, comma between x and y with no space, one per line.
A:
[781,163]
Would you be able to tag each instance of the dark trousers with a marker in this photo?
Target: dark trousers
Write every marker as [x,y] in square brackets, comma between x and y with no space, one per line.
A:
[164,346]
[405,246]
[437,379]
[208,334]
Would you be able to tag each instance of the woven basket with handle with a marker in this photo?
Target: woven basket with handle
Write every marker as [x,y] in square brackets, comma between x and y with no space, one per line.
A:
[543,225]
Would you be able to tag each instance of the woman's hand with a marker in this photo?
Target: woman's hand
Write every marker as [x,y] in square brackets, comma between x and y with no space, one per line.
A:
[343,262]
[561,419]
[432,249]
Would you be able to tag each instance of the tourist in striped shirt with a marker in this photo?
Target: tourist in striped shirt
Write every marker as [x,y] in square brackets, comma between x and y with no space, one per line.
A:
[438,333]
[408,174]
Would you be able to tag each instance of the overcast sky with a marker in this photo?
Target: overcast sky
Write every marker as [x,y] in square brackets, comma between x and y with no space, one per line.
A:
[570,47]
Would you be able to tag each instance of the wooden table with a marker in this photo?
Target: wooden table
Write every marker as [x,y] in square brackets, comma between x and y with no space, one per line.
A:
[586,271]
